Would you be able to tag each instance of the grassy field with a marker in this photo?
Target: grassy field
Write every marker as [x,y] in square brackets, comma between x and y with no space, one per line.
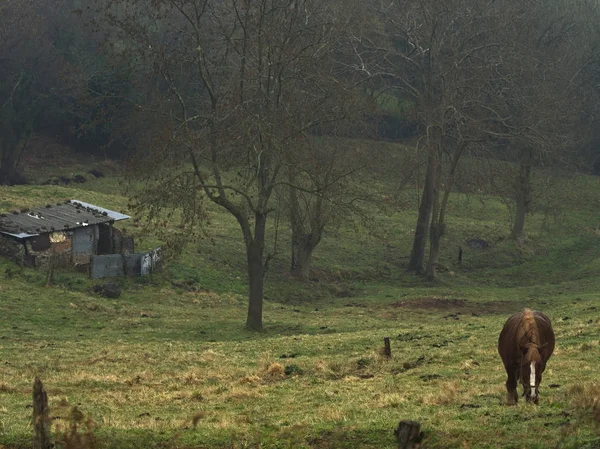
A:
[169,364]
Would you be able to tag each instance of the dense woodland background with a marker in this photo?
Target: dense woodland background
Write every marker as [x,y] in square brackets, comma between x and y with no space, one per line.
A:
[263,108]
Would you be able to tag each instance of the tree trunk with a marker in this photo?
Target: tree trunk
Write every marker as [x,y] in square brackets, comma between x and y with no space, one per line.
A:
[304,241]
[256,286]
[523,195]
[7,167]
[6,175]
[435,228]
[256,273]
[10,153]
[438,220]
[518,230]
[302,250]
[435,237]
[417,255]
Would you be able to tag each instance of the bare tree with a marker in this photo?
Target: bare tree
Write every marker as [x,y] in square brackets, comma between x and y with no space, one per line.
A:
[440,56]
[324,189]
[238,82]
[479,75]
[545,53]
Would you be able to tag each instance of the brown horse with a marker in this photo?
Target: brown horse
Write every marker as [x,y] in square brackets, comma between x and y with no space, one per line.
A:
[525,345]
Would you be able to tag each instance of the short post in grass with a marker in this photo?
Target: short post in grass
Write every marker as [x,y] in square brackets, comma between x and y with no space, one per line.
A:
[409,435]
[41,421]
[387,350]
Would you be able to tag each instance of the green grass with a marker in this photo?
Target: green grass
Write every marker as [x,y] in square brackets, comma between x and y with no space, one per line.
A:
[170,365]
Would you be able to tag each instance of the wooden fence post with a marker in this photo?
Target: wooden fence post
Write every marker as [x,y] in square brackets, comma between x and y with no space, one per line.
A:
[387,349]
[409,435]
[41,420]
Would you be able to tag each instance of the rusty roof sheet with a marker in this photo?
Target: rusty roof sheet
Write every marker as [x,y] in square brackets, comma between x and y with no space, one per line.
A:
[64,216]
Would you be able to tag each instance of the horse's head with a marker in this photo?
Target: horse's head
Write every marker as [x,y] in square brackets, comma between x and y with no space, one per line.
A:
[532,367]
[531,377]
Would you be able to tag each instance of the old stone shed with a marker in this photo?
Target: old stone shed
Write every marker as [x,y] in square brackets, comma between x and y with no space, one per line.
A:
[63,234]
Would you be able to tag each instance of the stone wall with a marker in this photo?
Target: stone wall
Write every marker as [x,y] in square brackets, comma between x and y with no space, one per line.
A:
[12,248]
[56,248]
[58,253]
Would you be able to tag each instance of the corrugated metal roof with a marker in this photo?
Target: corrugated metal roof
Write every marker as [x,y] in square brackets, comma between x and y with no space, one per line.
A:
[57,217]
[111,213]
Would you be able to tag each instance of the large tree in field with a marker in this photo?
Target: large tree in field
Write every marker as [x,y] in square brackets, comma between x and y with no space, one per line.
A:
[325,187]
[238,83]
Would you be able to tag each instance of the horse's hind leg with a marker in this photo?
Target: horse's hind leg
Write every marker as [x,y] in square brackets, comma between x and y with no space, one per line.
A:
[511,386]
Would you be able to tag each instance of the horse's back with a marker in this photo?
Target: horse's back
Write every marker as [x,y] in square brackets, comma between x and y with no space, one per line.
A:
[547,340]
[508,346]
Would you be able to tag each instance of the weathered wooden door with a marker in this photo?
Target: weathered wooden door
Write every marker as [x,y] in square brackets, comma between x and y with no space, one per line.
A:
[83,245]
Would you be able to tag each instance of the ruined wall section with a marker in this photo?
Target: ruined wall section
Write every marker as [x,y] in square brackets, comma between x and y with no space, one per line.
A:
[12,248]
[50,249]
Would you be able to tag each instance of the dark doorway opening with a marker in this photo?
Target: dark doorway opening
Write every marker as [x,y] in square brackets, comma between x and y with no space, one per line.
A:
[104,239]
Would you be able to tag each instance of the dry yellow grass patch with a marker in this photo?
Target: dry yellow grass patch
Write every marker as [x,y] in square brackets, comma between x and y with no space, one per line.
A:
[241,394]
[5,388]
[82,376]
[274,370]
[351,379]
[143,421]
[62,405]
[224,422]
[251,379]
[320,366]
[166,398]
[293,432]
[113,398]
[330,414]
[469,364]
[447,393]
[585,395]
[150,423]
[392,400]
[191,377]
[210,356]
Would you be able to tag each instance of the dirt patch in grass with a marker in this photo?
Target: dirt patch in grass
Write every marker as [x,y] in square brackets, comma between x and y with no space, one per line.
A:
[458,305]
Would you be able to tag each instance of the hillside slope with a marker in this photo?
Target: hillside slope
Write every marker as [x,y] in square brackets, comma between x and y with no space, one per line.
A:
[169,364]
